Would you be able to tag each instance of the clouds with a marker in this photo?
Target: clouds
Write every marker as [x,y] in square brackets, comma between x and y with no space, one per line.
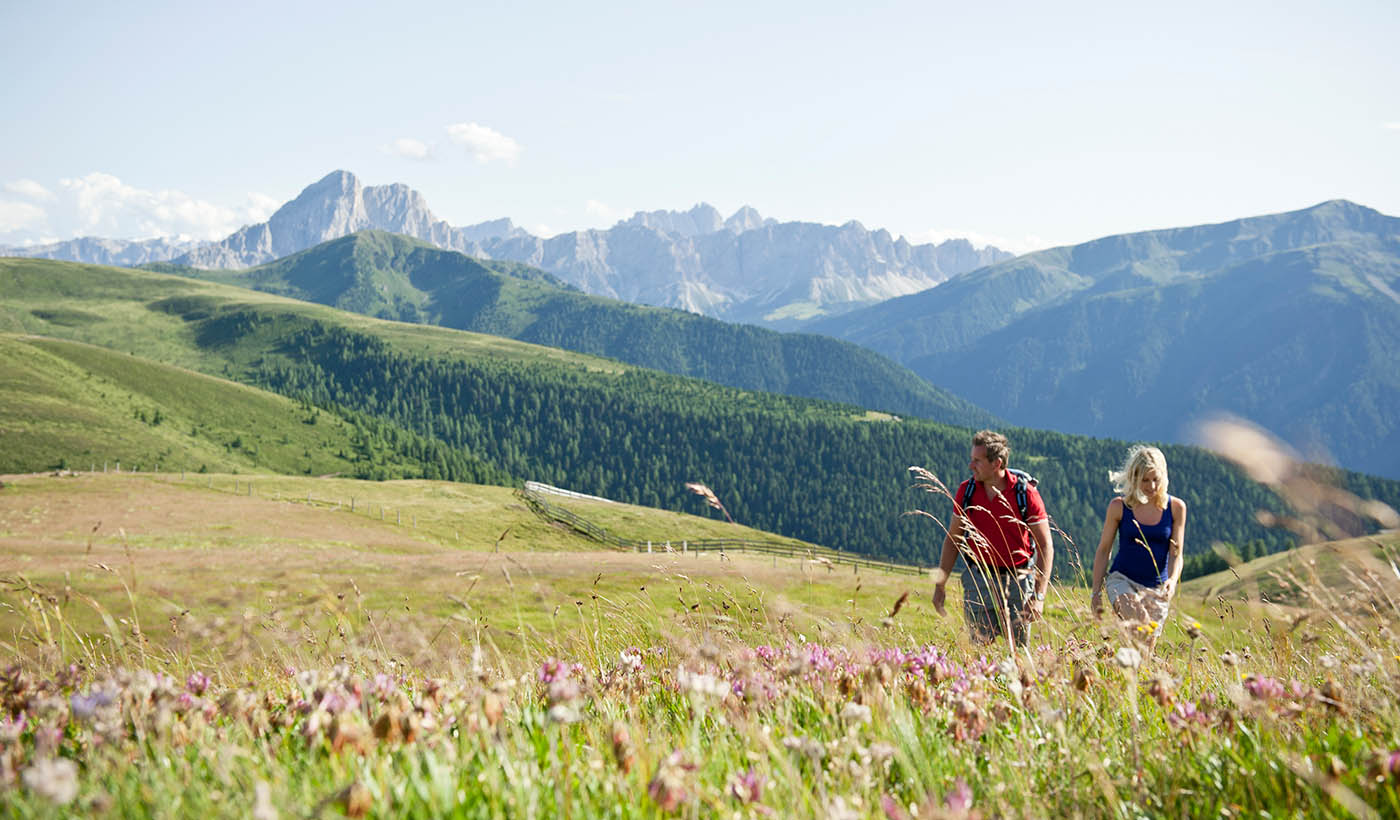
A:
[486,144]
[100,204]
[410,148]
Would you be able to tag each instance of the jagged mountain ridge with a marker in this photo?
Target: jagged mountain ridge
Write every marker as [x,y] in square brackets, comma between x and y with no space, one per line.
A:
[741,268]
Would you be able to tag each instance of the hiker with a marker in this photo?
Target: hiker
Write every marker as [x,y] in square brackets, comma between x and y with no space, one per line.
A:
[1150,526]
[996,513]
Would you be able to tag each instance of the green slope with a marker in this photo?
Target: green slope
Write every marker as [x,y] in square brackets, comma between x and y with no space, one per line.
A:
[397,277]
[66,404]
[826,473]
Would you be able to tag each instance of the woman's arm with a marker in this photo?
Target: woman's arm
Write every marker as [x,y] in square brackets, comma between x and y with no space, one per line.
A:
[1176,553]
[1110,528]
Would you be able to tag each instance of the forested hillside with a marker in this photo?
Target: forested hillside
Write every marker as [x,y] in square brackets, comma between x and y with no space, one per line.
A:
[397,277]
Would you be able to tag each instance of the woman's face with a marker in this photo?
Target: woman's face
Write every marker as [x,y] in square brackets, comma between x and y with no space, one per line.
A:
[1150,484]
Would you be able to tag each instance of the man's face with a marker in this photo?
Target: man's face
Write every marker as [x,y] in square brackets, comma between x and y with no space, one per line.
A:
[982,469]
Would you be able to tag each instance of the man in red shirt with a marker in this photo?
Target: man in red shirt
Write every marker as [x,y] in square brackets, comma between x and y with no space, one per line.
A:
[1004,583]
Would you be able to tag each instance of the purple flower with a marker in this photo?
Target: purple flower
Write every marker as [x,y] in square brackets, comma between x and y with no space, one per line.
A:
[85,706]
[1263,688]
[196,683]
[747,787]
[958,800]
[384,685]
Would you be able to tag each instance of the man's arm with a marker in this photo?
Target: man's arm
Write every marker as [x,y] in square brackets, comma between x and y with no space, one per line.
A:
[946,562]
[1044,560]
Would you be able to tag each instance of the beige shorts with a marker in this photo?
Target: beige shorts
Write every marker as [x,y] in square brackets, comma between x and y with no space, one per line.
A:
[1135,602]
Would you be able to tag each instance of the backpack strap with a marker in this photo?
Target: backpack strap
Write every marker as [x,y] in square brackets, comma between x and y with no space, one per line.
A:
[1024,482]
[969,487]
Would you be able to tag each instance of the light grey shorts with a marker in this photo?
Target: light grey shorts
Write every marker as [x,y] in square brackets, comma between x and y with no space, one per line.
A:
[1135,602]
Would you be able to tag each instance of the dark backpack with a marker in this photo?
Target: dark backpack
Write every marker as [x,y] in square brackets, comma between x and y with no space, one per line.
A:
[1024,481]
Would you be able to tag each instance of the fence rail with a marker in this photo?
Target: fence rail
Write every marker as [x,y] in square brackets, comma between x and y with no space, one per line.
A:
[553,512]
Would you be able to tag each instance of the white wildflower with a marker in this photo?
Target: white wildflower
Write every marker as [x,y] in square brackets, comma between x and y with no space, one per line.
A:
[1128,657]
[55,779]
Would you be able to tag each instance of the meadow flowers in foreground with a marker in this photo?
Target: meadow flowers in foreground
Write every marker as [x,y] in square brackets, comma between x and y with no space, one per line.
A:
[720,729]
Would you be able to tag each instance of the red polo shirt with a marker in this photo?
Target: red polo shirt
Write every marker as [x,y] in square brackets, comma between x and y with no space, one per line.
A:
[1006,540]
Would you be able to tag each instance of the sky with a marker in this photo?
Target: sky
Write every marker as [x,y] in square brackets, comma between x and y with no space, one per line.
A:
[1022,125]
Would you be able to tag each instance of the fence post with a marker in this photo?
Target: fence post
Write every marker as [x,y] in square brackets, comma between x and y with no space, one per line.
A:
[648,548]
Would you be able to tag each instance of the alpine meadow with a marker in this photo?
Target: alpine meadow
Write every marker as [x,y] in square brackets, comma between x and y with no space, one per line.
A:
[675,411]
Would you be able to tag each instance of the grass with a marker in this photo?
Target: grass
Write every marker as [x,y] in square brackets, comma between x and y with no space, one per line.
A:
[43,297]
[73,405]
[220,654]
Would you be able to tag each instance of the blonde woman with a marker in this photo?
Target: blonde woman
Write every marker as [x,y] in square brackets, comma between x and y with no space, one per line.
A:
[1150,527]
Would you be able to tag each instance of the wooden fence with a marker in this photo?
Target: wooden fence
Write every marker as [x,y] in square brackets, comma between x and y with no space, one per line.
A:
[553,512]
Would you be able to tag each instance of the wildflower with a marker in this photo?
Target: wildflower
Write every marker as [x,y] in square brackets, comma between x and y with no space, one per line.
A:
[881,751]
[1333,695]
[623,751]
[384,685]
[959,800]
[668,788]
[855,713]
[196,683]
[1387,766]
[1229,658]
[1162,689]
[701,685]
[892,809]
[1263,688]
[1187,714]
[631,659]
[1193,629]
[1084,677]
[747,787]
[54,779]
[85,706]
[1128,657]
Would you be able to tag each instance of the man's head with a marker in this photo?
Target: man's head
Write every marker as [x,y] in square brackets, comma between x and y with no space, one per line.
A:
[989,454]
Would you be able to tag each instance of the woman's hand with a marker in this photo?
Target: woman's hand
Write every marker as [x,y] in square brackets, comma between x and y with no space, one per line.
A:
[1096,603]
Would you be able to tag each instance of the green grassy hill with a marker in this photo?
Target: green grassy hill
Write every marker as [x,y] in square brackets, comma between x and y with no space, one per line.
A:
[396,277]
[825,473]
[78,406]
[1337,574]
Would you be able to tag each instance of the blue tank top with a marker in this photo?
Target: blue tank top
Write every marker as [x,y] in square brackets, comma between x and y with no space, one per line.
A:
[1142,549]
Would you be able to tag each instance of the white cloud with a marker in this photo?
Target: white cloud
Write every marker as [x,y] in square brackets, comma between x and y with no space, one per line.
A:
[1014,244]
[1393,126]
[100,204]
[29,188]
[410,148]
[19,216]
[484,143]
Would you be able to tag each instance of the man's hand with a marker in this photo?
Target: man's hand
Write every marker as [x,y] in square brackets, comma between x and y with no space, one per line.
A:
[940,595]
[1033,609]
[1096,603]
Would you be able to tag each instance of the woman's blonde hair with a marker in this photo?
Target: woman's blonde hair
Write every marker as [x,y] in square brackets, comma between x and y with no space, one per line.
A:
[1141,461]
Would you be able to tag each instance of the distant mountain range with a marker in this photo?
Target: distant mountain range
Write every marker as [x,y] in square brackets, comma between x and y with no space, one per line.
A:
[1291,320]
[744,268]
[396,277]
